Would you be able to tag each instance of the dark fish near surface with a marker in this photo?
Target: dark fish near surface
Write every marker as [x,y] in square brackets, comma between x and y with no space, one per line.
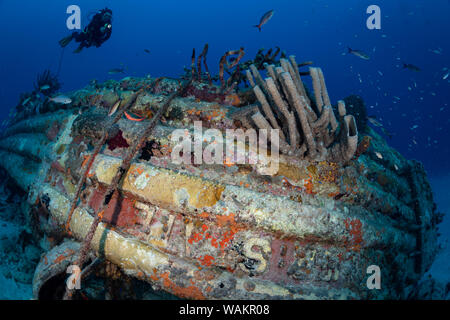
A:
[265,18]
[359,54]
[411,67]
[146,51]
[116,71]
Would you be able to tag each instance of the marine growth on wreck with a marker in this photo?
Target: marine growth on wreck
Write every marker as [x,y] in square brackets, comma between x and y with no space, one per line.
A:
[104,193]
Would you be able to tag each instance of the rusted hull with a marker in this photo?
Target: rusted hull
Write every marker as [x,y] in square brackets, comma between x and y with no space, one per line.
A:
[310,231]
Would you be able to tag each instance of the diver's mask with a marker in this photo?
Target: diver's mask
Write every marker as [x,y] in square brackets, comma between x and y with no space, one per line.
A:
[107,16]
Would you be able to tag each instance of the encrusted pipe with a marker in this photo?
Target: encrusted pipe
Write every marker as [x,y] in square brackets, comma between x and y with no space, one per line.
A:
[295,97]
[324,90]
[267,110]
[289,116]
[342,109]
[262,123]
[258,79]
[38,124]
[250,78]
[299,78]
[345,149]
[317,88]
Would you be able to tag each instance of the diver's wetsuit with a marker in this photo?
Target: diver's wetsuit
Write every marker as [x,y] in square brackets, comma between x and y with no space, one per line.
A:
[95,34]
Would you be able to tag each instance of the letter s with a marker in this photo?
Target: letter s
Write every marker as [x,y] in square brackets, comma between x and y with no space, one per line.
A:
[249,253]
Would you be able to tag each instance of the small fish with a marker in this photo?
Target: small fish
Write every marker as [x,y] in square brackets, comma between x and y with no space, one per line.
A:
[386,133]
[114,108]
[147,51]
[411,67]
[116,71]
[265,18]
[379,155]
[414,127]
[46,87]
[131,118]
[436,51]
[26,101]
[61,99]
[446,76]
[374,121]
[359,54]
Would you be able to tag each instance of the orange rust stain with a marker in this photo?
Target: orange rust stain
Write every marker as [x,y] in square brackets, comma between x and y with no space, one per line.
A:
[228,162]
[233,99]
[223,220]
[206,260]
[191,292]
[333,194]
[154,276]
[196,237]
[230,269]
[309,186]
[204,214]
[60,259]
[86,159]
[354,228]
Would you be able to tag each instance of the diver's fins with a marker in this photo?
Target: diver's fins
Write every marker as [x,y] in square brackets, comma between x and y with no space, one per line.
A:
[78,50]
[64,42]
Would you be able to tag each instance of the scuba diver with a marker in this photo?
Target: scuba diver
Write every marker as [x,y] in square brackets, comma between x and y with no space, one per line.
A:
[95,34]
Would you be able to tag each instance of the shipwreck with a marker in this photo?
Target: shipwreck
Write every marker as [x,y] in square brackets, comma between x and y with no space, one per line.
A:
[101,186]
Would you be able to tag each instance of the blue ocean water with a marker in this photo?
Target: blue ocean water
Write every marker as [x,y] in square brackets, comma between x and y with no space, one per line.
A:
[413,106]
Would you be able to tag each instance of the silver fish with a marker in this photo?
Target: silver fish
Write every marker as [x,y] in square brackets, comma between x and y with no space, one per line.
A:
[359,54]
[61,99]
[374,121]
[116,71]
[114,108]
